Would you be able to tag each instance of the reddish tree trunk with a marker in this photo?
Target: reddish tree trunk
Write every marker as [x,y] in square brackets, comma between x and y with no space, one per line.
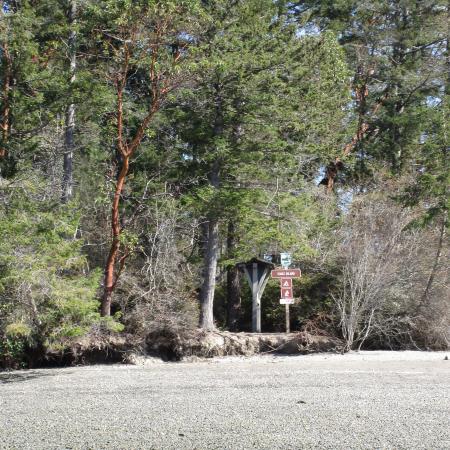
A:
[160,86]
[363,129]
[116,257]
[111,276]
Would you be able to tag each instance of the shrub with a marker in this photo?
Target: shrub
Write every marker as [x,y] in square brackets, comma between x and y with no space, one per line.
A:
[47,293]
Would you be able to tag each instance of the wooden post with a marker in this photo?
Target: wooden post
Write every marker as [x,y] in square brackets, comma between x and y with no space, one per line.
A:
[257,272]
[288,320]
[256,301]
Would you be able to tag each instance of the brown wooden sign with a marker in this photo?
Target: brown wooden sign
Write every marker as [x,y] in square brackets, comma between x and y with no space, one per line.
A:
[286,293]
[286,273]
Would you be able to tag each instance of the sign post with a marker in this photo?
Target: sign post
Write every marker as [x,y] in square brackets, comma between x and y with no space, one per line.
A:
[286,275]
[288,319]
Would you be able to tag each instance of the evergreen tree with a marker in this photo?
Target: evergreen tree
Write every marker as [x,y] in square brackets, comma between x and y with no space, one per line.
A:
[201,131]
[260,101]
[396,51]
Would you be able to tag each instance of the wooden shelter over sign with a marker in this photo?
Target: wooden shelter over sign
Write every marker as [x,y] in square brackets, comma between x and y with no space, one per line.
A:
[257,272]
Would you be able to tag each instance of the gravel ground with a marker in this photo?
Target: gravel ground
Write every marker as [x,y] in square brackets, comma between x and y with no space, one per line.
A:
[370,400]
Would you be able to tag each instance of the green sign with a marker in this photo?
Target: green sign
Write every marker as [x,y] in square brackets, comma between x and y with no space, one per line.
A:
[285,259]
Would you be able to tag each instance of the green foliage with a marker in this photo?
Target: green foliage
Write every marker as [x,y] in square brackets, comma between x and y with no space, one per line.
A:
[17,330]
[111,323]
[263,96]
[257,118]
[47,294]
[12,352]
[430,185]
[396,51]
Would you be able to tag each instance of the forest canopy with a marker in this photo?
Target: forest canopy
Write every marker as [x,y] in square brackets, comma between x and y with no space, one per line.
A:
[149,146]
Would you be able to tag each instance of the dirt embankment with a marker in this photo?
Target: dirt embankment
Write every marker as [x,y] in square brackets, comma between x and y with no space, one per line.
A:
[170,346]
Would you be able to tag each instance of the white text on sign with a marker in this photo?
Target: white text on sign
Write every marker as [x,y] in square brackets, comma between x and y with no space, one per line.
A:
[280,273]
[286,301]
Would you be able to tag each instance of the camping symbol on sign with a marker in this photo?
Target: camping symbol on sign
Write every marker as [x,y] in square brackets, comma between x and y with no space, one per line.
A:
[286,293]
[286,283]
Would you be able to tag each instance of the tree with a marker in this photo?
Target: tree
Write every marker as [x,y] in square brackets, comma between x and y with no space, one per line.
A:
[142,42]
[246,119]
[372,260]
[429,186]
[7,79]
[17,47]
[395,50]
[47,292]
[67,182]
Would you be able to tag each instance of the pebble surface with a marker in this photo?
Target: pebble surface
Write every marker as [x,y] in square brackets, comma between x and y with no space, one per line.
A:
[356,401]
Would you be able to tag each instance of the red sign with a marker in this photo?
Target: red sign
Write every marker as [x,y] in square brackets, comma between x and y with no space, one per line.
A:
[286,273]
[286,293]
[286,283]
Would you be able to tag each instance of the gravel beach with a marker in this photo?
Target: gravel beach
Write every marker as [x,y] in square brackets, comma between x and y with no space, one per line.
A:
[366,400]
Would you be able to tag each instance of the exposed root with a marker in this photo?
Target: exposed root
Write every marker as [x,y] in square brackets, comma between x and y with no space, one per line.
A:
[171,346]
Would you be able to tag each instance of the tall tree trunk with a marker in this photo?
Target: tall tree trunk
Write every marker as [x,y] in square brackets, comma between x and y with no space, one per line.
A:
[203,238]
[209,276]
[67,183]
[233,281]
[126,147]
[212,240]
[210,261]
[111,276]
[5,123]
[426,294]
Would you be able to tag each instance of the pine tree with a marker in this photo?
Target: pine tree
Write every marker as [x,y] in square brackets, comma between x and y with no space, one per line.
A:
[67,181]
[246,116]
[395,49]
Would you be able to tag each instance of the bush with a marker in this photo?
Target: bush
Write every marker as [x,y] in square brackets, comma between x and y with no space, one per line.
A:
[47,293]
[385,265]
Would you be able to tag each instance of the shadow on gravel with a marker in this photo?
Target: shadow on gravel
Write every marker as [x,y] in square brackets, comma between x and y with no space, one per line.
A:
[14,377]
